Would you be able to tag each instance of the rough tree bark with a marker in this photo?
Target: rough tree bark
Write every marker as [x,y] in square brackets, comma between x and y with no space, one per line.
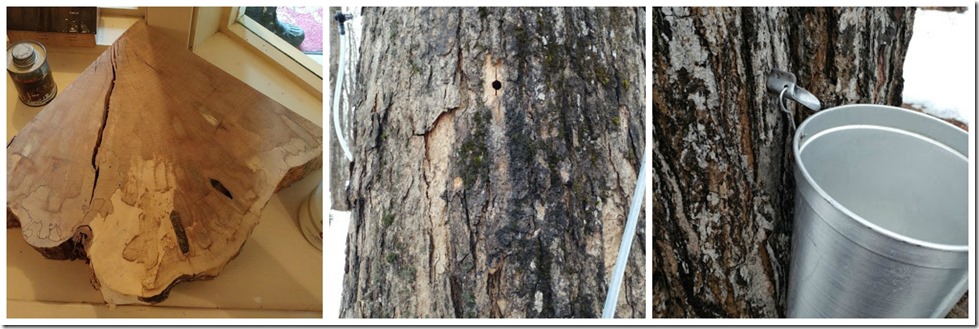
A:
[722,166]
[473,201]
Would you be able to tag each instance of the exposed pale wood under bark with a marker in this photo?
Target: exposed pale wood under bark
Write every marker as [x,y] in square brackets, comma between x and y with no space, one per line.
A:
[722,182]
[472,198]
[154,165]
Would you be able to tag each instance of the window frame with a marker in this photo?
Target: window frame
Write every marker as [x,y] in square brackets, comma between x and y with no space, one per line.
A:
[235,24]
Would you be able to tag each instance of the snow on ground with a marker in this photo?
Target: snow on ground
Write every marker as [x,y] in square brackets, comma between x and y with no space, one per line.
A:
[939,71]
[334,256]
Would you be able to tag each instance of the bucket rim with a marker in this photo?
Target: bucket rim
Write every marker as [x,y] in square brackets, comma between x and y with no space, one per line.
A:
[796,152]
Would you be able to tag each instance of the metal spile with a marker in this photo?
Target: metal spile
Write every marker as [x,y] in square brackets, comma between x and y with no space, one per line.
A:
[783,83]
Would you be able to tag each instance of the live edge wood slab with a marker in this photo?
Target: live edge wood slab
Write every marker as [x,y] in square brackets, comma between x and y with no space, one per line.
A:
[154,165]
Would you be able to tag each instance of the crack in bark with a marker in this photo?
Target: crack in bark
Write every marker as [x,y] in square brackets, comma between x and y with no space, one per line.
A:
[543,284]
[472,237]
[105,119]
[458,72]
[455,296]
[431,258]
[494,284]
[746,135]
[618,180]
[453,285]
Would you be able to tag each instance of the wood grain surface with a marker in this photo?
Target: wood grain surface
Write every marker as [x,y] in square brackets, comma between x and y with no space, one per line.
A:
[154,165]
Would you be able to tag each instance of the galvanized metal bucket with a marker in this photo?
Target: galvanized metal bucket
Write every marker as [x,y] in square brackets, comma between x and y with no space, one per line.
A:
[881,214]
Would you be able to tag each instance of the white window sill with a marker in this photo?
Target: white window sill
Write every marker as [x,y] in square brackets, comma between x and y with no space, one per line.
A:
[268,78]
[225,53]
[111,28]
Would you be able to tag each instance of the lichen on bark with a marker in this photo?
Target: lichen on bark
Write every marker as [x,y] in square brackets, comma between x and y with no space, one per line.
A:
[722,181]
[509,200]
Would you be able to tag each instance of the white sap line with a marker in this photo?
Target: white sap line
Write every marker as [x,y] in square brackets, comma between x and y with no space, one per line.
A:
[336,100]
[630,232]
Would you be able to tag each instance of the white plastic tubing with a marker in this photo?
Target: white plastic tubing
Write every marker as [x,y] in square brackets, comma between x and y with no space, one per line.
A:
[336,98]
[626,245]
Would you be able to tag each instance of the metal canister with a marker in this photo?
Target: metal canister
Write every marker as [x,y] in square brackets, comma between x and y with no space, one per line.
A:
[27,63]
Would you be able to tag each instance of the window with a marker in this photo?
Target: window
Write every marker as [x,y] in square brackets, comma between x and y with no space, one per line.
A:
[290,36]
[301,27]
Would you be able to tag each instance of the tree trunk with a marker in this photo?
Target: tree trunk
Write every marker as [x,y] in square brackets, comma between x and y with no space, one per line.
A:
[723,186]
[154,166]
[496,152]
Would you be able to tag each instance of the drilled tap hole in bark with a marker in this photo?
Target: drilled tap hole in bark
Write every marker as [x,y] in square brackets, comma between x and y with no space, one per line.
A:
[497,85]
[220,187]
